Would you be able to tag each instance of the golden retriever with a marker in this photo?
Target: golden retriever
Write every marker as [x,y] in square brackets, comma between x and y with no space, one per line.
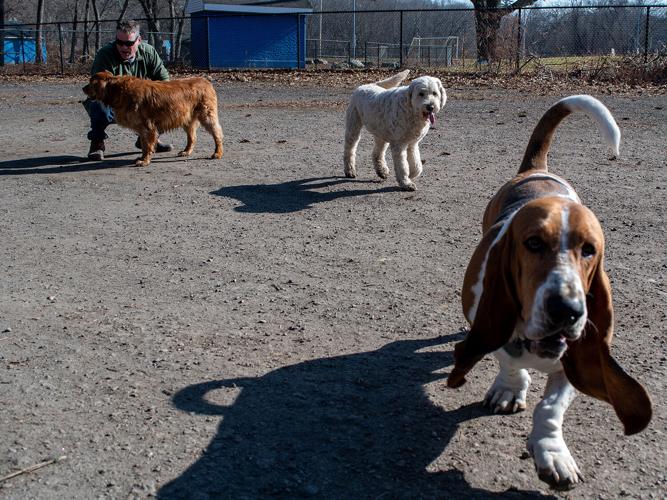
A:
[152,107]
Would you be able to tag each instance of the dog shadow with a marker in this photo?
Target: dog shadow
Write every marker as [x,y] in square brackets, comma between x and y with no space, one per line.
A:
[62,164]
[294,196]
[353,426]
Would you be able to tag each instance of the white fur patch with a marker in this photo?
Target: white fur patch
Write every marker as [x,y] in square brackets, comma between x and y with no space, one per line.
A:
[598,112]
[478,288]
[571,193]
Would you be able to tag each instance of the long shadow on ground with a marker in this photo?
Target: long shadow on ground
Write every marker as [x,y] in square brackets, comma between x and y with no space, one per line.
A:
[62,164]
[294,196]
[350,427]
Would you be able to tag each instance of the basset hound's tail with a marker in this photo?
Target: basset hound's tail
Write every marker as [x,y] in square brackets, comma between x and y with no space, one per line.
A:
[393,81]
[540,142]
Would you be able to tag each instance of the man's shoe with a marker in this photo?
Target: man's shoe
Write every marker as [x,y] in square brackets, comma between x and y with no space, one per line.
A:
[159,148]
[96,152]
[163,148]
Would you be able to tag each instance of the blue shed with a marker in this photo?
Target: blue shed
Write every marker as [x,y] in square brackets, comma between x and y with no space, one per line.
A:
[241,34]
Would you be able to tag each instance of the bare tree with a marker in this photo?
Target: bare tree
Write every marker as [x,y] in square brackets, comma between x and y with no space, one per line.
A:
[96,24]
[178,39]
[123,10]
[86,48]
[38,29]
[75,23]
[488,16]
[151,10]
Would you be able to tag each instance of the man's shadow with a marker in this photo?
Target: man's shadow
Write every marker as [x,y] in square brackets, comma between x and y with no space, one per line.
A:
[354,426]
[294,196]
[58,164]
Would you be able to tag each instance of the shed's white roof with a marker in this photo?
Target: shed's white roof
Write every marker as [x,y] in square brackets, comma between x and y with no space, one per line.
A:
[249,6]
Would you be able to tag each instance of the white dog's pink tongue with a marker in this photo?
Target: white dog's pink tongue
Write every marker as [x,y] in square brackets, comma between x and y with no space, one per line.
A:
[431,118]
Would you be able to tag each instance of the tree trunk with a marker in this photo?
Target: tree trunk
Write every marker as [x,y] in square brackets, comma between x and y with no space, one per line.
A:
[96,16]
[179,36]
[123,10]
[172,29]
[488,16]
[38,29]
[86,49]
[150,8]
[75,23]
[487,24]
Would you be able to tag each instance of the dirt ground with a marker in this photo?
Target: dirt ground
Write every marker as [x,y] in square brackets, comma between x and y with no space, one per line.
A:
[261,327]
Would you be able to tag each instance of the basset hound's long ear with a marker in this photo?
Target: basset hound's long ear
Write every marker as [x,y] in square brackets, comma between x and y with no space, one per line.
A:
[590,367]
[496,313]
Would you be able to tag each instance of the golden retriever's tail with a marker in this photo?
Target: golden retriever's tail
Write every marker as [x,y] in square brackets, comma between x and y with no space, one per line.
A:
[393,81]
[540,142]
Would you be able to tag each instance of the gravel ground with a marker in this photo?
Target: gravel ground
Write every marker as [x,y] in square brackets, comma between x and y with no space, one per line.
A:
[261,327]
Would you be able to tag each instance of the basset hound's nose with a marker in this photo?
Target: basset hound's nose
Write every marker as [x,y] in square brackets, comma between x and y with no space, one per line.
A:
[564,311]
[430,108]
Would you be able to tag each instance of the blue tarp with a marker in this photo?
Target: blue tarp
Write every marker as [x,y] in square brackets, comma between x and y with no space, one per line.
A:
[18,51]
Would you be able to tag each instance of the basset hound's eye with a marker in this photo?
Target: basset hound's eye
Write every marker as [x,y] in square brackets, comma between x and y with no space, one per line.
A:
[534,244]
[587,250]
[421,94]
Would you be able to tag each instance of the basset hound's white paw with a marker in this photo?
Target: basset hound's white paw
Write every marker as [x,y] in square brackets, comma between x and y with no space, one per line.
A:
[554,463]
[508,392]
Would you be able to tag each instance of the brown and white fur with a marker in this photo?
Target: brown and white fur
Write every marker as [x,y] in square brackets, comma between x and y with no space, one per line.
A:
[152,107]
[536,295]
[398,118]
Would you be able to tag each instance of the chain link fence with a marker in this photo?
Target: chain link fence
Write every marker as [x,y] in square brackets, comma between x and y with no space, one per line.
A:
[68,47]
[450,39]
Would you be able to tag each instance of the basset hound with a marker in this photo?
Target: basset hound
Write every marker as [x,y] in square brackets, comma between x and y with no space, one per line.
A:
[536,296]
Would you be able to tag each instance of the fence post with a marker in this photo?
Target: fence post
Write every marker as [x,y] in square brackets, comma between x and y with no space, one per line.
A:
[400,45]
[463,52]
[518,43]
[60,42]
[366,53]
[349,52]
[646,28]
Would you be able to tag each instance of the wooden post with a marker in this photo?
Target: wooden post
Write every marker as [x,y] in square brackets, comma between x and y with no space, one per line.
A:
[60,42]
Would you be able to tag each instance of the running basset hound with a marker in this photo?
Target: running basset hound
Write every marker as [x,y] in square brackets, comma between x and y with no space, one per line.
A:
[536,296]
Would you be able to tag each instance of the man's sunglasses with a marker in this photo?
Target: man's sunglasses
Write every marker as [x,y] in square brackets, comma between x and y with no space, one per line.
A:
[128,43]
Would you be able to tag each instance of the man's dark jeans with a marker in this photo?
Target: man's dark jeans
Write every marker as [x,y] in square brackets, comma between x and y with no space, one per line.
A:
[101,117]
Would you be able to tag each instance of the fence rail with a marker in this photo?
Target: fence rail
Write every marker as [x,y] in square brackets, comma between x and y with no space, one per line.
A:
[444,38]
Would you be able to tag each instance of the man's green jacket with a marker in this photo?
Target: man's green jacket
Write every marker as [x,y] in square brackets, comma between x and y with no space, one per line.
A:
[146,64]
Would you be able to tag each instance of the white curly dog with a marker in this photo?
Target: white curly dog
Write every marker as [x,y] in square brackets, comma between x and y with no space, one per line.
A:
[397,117]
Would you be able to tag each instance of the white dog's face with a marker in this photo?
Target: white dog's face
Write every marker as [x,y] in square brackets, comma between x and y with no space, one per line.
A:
[427,96]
